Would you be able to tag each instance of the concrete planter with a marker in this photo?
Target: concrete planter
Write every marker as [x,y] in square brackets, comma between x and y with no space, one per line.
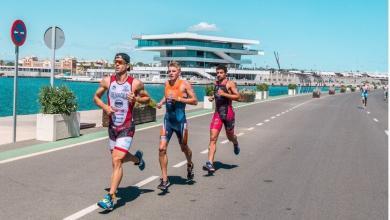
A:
[265,95]
[52,127]
[291,92]
[261,95]
[207,104]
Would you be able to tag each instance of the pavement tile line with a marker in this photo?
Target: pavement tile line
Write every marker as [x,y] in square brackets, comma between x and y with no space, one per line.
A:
[40,149]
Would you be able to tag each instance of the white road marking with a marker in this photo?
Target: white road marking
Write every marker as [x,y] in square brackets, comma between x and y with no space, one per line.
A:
[376,120]
[266,120]
[387,132]
[205,151]
[180,164]
[277,115]
[259,124]
[51,150]
[273,117]
[93,207]
[240,134]
[368,112]
[224,142]
[251,128]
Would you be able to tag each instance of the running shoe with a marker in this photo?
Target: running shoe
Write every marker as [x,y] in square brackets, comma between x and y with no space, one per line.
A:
[236,149]
[209,167]
[106,203]
[190,171]
[141,164]
[163,184]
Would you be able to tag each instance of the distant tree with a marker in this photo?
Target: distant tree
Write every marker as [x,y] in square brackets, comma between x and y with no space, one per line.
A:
[10,63]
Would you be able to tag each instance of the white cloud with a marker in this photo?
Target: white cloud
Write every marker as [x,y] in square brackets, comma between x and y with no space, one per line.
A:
[203,26]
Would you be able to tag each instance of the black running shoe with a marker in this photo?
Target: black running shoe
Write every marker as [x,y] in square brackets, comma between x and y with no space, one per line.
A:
[190,171]
[141,164]
[236,149]
[209,167]
[163,184]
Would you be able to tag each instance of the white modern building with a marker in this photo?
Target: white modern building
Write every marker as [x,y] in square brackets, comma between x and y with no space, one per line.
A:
[200,54]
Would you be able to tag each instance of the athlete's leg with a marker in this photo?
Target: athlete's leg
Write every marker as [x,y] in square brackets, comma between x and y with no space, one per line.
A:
[214,133]
[229,129]
[215,128]
[117,172]
[182,136]
[165,136]
[130,157]
[231,136]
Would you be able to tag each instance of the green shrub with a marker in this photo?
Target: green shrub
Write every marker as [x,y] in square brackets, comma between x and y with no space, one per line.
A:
[262,87]
[343,89]
[57,100]
[151,103]
[292,86]
[209,90]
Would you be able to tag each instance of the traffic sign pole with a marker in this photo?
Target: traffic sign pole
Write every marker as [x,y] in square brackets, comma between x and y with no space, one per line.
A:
[18,37]
[15,93]
[53,58]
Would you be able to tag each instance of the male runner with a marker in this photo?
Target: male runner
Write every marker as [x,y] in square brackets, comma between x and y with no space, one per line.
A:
[178,93]
[224,92]
[123,92]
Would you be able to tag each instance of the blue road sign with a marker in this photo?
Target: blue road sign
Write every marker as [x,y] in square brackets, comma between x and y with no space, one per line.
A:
[18,33]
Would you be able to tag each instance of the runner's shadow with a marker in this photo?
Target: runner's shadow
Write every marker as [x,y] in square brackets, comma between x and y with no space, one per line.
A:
[126,195]
[177,180]
[219,165]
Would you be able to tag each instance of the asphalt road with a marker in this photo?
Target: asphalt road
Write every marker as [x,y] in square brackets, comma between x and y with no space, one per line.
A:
[301,158]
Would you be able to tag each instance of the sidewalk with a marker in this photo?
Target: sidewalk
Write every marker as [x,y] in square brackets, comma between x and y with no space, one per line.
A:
[26,124]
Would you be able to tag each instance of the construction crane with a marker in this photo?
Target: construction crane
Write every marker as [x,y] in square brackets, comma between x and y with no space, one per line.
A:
[277,59]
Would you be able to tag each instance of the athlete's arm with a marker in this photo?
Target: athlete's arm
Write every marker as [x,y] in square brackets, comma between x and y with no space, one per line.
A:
[191,97]
[140,93]
[234,95]
[97,98]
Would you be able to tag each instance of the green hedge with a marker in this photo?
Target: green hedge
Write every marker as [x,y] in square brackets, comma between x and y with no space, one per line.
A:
[292,86]
[262,87]
[57,100]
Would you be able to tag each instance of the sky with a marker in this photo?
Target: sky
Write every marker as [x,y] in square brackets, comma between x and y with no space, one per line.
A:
[331,35]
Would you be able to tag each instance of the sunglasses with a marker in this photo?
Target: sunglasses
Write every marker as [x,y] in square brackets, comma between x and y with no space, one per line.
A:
[120,62]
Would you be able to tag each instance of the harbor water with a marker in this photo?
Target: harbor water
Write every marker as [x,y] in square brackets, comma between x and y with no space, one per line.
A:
[28,91]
